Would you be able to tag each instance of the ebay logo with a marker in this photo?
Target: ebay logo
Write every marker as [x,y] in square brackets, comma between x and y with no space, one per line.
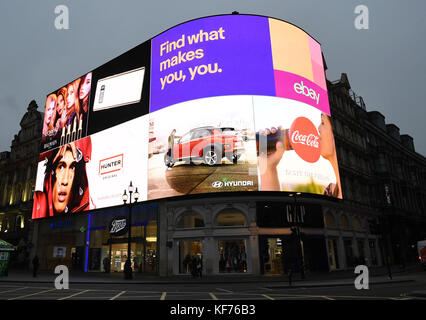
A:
[300,88]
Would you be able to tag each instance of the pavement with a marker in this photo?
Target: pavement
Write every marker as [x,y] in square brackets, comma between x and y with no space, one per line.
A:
[378,275]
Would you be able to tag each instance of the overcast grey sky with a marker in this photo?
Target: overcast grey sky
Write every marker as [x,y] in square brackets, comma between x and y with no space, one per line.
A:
[385,64]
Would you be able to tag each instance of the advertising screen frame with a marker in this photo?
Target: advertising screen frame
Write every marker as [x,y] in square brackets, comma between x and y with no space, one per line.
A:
[227,136]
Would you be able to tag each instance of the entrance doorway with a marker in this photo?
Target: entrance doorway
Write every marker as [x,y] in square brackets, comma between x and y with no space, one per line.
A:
[143,257]
[273,261]
[187,250]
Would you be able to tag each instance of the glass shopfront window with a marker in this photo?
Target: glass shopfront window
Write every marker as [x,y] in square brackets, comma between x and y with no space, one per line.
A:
[232,256]
[274,262]
[187,251]
[109,253]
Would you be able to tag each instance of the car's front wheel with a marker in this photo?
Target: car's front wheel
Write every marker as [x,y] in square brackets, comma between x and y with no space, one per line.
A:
[211,156]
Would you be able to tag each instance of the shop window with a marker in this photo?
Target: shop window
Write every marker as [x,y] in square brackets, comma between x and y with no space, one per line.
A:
[329,220]
[232,256]
[344,222]
[190,220]
[187,251]
[231,218]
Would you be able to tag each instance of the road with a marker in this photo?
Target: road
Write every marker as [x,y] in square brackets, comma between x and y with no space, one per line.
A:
[207,291]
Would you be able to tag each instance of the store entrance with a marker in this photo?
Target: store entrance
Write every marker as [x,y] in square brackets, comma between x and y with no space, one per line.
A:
[273,259]
[143,257]
[119,256]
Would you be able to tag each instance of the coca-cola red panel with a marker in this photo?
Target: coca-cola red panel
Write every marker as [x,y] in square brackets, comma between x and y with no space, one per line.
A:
[303,158]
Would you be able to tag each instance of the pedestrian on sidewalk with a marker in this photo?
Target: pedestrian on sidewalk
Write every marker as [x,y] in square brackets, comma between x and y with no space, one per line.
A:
[107,265]
[36,264]
[289,275]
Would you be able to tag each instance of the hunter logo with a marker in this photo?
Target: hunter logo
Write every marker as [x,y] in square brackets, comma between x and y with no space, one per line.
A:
[111,164]
[304,138]
[118,226]
[226,183]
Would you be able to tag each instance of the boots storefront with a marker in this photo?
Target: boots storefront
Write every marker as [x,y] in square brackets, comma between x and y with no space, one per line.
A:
[98,241]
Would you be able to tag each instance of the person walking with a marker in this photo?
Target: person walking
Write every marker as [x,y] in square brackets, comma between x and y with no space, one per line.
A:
[107,264]
[289,275]
[170,146]
[36,264]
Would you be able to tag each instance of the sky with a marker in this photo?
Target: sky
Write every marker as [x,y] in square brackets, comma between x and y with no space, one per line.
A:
[385,63]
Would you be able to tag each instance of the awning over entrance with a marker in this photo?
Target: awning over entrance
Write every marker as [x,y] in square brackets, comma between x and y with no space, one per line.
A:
[5,246]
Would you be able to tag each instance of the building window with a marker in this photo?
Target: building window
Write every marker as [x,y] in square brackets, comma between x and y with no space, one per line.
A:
[344,222]
[190,220]
[231,218]
[329,220]
[232,256]
[357,224]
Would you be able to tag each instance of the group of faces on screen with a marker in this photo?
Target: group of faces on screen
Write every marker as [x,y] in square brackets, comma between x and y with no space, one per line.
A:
[67,108]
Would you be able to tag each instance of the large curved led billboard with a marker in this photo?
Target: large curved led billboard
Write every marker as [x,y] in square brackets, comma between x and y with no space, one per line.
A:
[223,103]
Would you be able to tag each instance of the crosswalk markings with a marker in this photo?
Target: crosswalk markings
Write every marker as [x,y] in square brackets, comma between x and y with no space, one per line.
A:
[14,290]
[213,296]
[32,294]
[116,296]
[73,295]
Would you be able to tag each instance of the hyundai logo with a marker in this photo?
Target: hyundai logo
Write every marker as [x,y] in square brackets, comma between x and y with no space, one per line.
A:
[217,184]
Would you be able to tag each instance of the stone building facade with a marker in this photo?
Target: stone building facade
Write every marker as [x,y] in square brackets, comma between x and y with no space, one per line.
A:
[17,179]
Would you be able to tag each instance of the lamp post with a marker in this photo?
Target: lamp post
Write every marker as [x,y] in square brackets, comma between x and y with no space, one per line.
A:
[296,219]
[128,264]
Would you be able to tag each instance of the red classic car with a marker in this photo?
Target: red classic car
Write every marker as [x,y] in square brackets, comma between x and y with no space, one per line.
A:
[209,144]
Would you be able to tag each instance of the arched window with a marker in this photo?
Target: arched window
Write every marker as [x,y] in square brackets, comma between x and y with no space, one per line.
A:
[231,218]
[357,224]
[344,222]
[190,220]
[329,220]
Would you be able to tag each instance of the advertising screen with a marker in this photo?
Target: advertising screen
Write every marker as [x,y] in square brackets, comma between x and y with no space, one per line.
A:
[65,114]
[218,104]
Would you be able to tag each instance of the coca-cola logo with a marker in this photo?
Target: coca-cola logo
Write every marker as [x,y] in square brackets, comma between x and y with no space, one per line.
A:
[304,138]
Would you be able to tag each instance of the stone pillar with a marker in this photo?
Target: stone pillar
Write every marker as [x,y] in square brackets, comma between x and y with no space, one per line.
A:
[253,259]
[341,253]
[378,252]
[210,256]
[162,234]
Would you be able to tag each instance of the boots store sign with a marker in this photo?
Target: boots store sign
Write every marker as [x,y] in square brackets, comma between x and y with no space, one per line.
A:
[118,226]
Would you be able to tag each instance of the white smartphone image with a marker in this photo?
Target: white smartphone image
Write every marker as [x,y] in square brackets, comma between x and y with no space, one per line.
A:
[123,89]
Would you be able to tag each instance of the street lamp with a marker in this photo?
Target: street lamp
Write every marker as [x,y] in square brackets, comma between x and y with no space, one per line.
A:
[128,264]
[296,219]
